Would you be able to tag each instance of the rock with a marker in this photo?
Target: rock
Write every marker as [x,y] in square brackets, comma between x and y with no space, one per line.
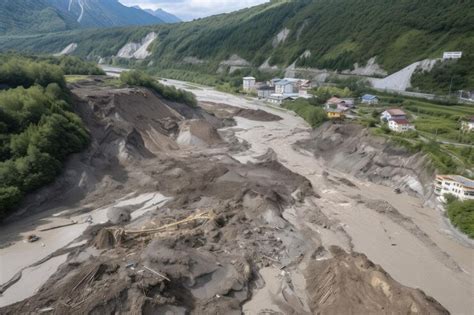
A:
[119,215]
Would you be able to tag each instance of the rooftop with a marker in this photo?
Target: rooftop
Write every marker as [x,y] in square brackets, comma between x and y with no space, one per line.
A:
[396,112]
[283,82]
[249,78]
[334,100]
[369,97]
[466,182]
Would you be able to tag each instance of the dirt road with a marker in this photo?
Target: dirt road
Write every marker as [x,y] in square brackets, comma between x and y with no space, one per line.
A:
[411,242]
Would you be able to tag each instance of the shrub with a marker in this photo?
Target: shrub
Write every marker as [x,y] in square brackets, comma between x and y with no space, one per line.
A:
[139,78]
[37,129]
[314,115]
[461,214]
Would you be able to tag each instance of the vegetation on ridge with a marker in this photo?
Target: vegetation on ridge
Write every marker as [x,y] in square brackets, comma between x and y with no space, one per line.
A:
[337,34]
[171,93]
[38,129]
[461,214]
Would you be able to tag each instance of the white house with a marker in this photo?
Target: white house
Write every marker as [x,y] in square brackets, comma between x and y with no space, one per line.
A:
[394,113]
[400,125]
[452,55]
[459,186]
[468,125]
[369,99]
[249,83]
[284,87]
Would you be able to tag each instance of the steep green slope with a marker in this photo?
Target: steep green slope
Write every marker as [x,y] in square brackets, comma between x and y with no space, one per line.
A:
[104,13]
[336,33]
[46,16]
[27,16]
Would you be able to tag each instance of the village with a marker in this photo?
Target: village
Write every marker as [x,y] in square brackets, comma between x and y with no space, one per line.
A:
[277,91]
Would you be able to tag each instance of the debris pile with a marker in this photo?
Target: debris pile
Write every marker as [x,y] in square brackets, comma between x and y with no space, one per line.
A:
[204,250]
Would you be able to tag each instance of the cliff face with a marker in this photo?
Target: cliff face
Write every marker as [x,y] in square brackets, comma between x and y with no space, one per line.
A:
[352,149]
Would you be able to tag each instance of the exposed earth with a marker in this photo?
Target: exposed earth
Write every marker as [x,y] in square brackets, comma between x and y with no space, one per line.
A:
[232,207]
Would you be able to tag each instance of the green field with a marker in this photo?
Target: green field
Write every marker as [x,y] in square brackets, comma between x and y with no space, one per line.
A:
[438,131]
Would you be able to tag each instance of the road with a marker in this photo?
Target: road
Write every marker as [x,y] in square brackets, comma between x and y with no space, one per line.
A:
[426,254]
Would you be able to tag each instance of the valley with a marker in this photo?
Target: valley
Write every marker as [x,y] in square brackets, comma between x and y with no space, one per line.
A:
[264,157]
[271,210]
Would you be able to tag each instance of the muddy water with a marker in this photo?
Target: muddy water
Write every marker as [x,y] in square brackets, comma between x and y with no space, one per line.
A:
[20,254]
[420,254]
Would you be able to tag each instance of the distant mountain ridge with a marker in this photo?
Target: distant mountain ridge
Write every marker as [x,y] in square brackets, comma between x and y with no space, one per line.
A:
[45,16]
[38,16]
[281,35]
[161,14]
[104,13]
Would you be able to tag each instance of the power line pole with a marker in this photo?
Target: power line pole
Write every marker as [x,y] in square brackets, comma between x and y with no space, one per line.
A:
[450,86]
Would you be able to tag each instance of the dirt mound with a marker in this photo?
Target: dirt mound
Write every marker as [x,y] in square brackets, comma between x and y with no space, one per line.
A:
[258,115]
[197,133]
[350,148]
[351,282]
[226,111]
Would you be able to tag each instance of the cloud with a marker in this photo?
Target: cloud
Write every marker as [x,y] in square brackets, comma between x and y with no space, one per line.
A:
[192,9]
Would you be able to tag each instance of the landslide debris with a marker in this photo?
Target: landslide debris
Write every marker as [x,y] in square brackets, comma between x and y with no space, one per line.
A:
[224,111]
[350,148]
[205,249]
[350,283]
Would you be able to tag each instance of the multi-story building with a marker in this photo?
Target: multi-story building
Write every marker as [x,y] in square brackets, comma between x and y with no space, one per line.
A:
[249,83]
[457,185]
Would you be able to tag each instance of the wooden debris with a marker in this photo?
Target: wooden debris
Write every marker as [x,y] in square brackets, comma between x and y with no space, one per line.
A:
[157,273]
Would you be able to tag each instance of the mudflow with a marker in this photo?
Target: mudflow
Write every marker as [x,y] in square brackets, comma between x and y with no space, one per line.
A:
[227,208]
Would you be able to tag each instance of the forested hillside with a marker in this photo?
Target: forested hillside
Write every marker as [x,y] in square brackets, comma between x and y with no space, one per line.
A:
[26,16]
[104,13]
[46,16]
[337,33]
[326,34]
[38,130]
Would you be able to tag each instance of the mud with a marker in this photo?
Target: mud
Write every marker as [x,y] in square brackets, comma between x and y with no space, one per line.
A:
[203,232]
[350,148]
[225,111]
[345,281]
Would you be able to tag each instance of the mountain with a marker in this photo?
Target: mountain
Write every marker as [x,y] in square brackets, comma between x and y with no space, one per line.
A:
[27,16]
[161,14]
[45,16]
[164,16]
[322,34]
[104,13]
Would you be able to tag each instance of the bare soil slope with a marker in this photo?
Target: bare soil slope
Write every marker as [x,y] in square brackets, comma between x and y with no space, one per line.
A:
[350,148]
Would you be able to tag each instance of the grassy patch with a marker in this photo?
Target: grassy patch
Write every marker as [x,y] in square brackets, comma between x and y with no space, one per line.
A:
[438,135]
[314,115]
[75,78]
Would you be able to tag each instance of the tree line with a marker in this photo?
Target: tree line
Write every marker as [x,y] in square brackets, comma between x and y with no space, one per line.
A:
[38,129]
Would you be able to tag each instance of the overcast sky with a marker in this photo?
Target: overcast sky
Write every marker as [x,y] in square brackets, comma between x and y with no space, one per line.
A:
[192,9]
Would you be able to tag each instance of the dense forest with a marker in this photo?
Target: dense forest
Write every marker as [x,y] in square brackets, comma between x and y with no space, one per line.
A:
[26,16]
[38,129]
[448,76]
